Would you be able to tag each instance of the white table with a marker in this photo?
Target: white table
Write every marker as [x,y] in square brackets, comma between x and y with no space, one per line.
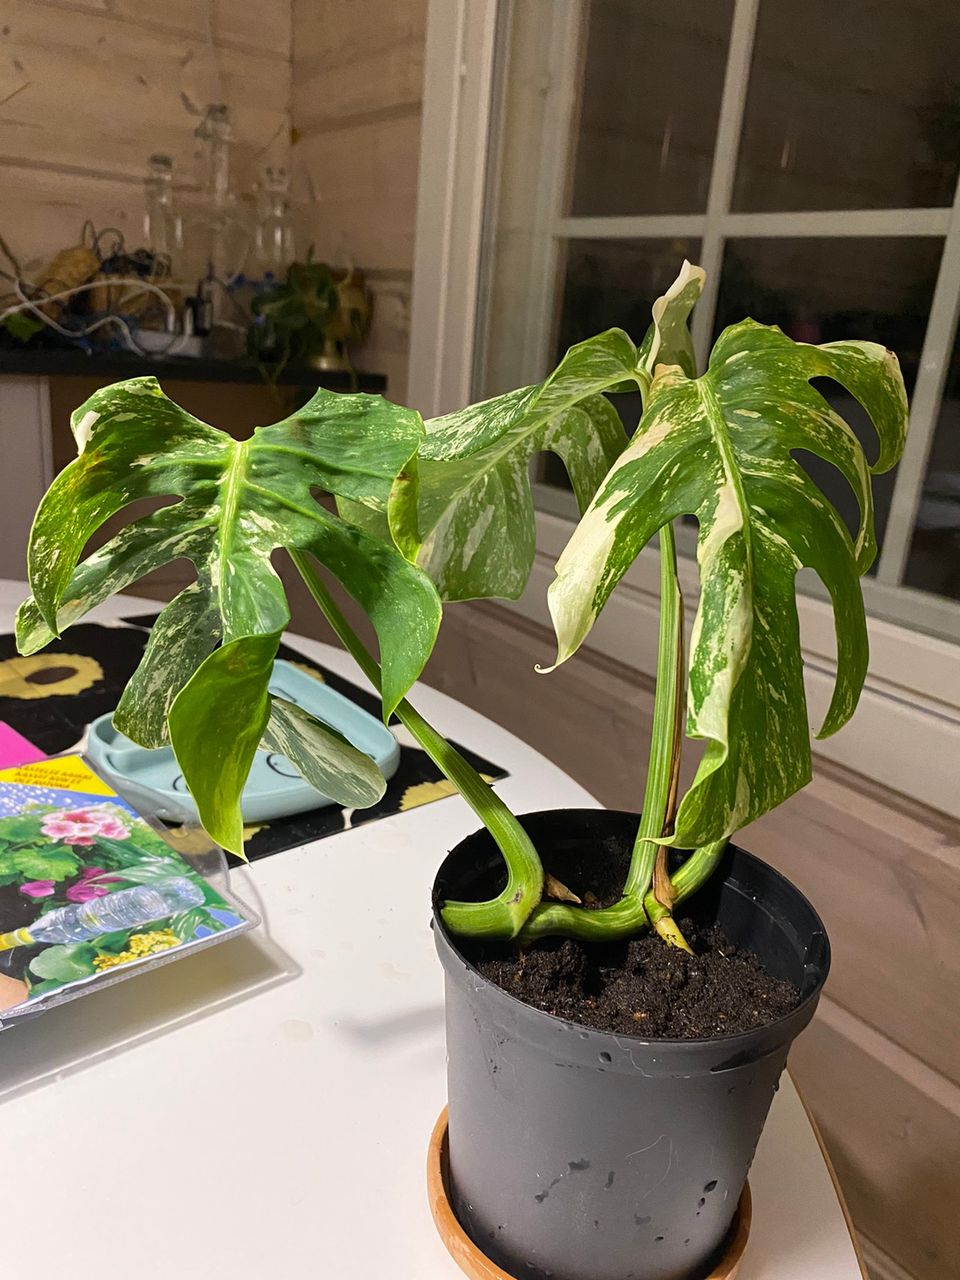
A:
[265,1107]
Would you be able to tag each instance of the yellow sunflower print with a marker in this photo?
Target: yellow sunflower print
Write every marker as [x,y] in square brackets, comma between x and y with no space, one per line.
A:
[426,792]
[48,675]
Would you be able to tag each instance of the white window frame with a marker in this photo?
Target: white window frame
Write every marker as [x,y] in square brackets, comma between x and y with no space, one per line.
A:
[912,698]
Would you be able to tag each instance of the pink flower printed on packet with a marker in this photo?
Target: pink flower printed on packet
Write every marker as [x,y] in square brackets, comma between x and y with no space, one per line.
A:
[86,891]
[94,883]
[82,826]
[38,888]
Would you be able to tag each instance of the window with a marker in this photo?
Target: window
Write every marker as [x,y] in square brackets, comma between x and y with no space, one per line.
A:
[648,152]
[807,155]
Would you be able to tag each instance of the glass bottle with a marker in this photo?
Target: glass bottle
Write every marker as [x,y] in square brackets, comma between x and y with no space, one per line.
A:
[274,248]
[215,131]
[225,249]
[162,225]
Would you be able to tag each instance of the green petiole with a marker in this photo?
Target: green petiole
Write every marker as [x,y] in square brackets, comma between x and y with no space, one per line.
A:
[500,917]
[633,912]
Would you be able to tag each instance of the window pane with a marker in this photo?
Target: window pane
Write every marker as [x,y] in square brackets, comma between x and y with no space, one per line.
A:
[821,290]
[852,104]
[650,96]
[934,563]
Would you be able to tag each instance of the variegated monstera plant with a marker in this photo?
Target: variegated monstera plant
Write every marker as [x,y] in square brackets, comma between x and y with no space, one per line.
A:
[443,511]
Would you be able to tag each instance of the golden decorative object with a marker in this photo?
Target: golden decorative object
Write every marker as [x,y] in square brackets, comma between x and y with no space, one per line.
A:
[425,793]
[350,324]
[69,269]
[352,320]
[189,839]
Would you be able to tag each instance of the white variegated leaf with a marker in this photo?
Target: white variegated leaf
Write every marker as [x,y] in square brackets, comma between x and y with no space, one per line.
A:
[479,509]
[207,666]
[720,448]
[323,756]
[476,505]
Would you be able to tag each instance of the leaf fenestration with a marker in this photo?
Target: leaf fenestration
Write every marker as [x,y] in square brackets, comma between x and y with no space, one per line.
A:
[239,501]
[720,448]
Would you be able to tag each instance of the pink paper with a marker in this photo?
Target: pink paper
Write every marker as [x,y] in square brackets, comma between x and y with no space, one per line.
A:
[16,749]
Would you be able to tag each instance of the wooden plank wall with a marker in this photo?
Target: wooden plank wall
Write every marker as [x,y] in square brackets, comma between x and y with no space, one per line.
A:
[357,88]
[90,88]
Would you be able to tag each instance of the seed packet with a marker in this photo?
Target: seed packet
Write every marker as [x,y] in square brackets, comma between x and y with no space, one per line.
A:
[90,891]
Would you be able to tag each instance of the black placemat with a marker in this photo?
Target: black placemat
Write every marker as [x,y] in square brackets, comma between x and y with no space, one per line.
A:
[52,696]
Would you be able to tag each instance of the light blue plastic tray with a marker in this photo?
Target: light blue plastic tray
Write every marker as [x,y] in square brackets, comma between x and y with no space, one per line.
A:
[152,782]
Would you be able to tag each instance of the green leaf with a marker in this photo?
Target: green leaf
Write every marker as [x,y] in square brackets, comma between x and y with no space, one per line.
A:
[324,757]
[64,963]
[216,723]
[39,988]
[38,862]
[149,872]
[476,506]
[239,501]
[185,924]
[46,864]
[116,855]
[720,448]
[21,827]
[116,941]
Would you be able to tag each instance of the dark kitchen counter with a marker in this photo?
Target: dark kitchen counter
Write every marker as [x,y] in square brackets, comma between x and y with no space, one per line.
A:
[71,362]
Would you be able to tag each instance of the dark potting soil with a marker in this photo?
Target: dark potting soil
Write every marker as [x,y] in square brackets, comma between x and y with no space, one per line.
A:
[645,987]
[642,987]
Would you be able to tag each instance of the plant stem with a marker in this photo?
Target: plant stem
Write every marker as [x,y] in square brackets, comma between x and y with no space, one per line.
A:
[688,878]
[500,917]
[608,924]
[671,639]
[660,792]
[629,915]
[663,923]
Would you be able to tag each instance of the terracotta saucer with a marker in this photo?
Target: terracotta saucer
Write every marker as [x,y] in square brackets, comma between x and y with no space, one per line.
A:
[475,1264]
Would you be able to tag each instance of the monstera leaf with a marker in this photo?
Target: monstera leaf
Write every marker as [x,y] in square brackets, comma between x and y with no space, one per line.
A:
[210,654]
[720,448]
[476,507]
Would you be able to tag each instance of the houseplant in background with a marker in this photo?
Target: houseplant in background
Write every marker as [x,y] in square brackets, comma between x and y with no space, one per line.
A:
[610,1067]
[290,317]
[308,318]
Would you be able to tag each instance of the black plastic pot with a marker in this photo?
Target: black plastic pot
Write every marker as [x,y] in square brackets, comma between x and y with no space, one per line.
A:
[580,1155]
